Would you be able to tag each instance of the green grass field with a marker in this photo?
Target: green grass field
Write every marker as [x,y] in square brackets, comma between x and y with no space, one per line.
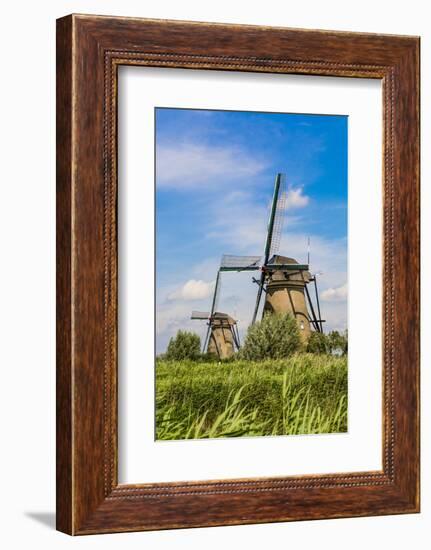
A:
[305,394]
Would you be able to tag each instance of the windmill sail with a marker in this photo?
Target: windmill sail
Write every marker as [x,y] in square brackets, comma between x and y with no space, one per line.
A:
[275,228]
[318,302]
[213,309]
[276,216]
[216,294]
[239,263]
[207,338]
[280,209]
[259,296]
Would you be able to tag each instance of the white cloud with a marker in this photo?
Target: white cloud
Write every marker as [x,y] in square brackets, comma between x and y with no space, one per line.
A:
[295,198]
[188,165]
[192,290]
[337,294]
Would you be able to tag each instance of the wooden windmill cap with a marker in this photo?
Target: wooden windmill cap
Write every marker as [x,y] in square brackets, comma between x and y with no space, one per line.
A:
[277,259]
[299,276]
[223,317]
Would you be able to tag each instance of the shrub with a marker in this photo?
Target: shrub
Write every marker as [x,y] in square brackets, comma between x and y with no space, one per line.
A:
[185,345]
[275,337]
[318,343]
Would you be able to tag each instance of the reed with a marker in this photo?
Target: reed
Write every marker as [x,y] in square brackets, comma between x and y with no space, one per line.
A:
[304,394]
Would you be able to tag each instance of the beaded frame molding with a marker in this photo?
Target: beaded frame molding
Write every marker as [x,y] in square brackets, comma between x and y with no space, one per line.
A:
[89,51]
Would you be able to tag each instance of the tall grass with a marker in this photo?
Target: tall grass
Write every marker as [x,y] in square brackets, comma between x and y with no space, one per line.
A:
[305,394]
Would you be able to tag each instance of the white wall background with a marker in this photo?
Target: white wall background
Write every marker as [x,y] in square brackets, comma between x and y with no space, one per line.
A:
[27,280]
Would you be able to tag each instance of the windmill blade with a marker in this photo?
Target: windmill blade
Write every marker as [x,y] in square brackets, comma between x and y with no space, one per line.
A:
[235,336]
[216,294]
[203,315]
[313,318]
[239,263]
[258,297]
[318,302]
[207,339]
[276,217]
[280,210]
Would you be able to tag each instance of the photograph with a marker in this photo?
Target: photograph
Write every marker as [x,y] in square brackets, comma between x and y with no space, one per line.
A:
[213,318]
[251,240]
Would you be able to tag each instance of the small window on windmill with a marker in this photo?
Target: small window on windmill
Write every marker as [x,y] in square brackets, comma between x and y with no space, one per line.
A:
[302,325]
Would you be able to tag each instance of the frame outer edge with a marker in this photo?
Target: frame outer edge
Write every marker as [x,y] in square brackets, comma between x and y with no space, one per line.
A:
[64,368]
[83,505]
[407,290]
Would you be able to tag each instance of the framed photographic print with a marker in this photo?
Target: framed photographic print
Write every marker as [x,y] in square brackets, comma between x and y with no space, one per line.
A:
[237,274]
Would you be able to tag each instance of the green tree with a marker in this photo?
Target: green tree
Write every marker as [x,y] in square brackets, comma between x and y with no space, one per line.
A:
[185,345]
[345,342]
[275,337]
[338,342]
[318,343]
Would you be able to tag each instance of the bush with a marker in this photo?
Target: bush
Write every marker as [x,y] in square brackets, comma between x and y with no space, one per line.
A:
[318,343]
[275,337]
[185,345]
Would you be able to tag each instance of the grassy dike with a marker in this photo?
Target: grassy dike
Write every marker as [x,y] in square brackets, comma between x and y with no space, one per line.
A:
[305,394]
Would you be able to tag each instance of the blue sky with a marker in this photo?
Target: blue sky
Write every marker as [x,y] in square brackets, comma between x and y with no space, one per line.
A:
[215,173]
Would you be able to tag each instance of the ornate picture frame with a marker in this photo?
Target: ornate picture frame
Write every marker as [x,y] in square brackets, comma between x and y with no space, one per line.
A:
[89,51]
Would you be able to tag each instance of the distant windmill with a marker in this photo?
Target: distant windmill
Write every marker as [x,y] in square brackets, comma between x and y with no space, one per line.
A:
[283,280]
[222,336]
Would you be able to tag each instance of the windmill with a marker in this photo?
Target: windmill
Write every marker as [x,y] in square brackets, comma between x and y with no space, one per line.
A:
[283,280]
[222,337]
